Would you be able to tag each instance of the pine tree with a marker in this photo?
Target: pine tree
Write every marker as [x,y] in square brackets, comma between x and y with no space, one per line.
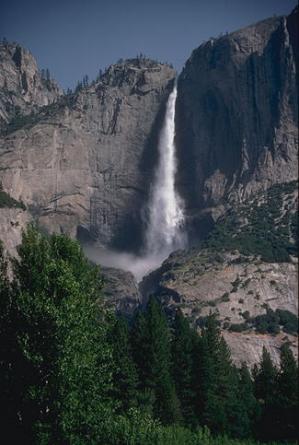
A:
[85,81]
[100,74]
[251,410]
[208,372]
[79,87]
[183,353]
[265,379]
[139,339]
[287,377]
[151,346]
[125,379]
[286,401]
[220,406]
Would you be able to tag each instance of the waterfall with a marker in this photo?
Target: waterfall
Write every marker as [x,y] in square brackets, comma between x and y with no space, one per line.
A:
[166,217]
[165,220]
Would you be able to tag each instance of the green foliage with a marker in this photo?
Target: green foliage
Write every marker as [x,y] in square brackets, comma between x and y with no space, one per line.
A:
[11,359]
[60,333]
[183,351]
[125,379]
[220,406]
[270,322]
[225,297]
[288,320]
[7,201]
[235,284]
[252,409]
[277,390]
[264,386]
[151,349]
[286,402]
[269,231]
[20,121]
[265,377]
[238,327]
[71,373]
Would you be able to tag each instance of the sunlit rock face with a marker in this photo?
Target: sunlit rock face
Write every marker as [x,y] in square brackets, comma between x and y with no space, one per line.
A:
[237,118]
[237,288]
[23,88]
[83,165]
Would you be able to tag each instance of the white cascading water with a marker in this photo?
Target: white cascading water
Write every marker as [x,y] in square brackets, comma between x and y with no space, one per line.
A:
[166,217]
[164,232]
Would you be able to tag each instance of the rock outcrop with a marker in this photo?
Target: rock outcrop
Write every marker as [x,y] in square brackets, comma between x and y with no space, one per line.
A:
[245,271]
[237,118]
[120,291]
[237,288]
[12,222]
[23,88]
[82,165]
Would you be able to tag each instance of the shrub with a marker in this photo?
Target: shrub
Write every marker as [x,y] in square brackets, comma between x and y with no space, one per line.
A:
[288,320]
[235,284]
[225,297]
[246,315]
[6,201]
[266,231]
[238,327]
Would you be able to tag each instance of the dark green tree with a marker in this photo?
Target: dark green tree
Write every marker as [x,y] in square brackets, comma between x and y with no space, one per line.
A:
[220,407]
[12,362]
[125,379]
[250,406]
[140,345]
[79,87]
[85,81]
[265,381]
[286,401]
[264,378]
[151,347]
[139,339]
[183,355]
[61,332]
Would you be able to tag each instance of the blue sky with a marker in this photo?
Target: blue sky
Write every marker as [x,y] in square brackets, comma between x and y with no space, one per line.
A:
[77,37]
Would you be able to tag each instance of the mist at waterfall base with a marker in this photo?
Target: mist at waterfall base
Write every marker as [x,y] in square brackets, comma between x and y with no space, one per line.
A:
[165,224]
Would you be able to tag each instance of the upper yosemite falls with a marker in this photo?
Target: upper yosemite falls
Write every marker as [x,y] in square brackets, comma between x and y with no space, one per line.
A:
[164,233]
[180,185]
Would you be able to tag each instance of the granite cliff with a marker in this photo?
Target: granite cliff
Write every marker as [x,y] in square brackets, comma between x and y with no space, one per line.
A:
[246,271]
[237,118]
[23,87]
[82,164]
[239,289]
